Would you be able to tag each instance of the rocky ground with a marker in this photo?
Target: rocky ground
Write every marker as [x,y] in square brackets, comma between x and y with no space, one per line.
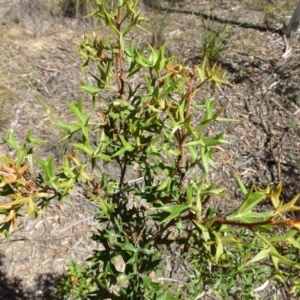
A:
[40,74]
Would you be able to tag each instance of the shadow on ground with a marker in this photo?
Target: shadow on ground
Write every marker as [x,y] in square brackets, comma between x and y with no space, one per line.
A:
[11,289]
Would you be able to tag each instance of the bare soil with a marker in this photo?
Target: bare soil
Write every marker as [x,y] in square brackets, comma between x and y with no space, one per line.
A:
[40,74]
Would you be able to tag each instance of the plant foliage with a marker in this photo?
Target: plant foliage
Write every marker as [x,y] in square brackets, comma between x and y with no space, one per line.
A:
[150,122]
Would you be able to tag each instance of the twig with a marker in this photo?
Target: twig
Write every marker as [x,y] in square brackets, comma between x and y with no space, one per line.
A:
[280,155]
[297,111]
[172,280]
[45,69]
[134,181]
[76,223]
[280,106]
[288,49]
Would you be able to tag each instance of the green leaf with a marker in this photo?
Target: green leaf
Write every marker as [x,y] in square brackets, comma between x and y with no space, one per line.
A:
[189,195]
[119,152]
[142,60]
[47,166]
[264,253]
[220,249]
[106,208]
[274,195]
[287,238]
[76,108]
[270,251]
[153,56]
[70,128]
[89,88]
[194,152]
[11,141]
[126,247]
[103,156]
[132,24]
[290,206]
[174,210]
[161,61]
[126,147]
[109,21]
[205,233]
[30,139]
[86,147]
[67,185]
[165,185]
[32,209]
[245,214]
[240,184]
[206,158]
[282,259]
[209,142]
[175,127]
[201,71]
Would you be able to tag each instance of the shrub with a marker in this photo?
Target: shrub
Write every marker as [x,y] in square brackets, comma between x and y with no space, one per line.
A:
[149,122]
[214,38]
